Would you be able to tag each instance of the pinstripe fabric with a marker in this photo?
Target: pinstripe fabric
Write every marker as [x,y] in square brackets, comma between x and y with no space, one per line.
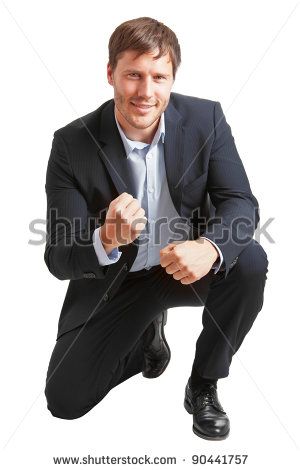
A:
[88,168]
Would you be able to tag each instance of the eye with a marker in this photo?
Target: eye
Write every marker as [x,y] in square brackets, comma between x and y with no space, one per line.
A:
[133,75]
[159,77]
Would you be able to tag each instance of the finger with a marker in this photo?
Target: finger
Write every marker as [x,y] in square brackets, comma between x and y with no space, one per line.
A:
[121,202]
[179,275]
[173,267]
[121,197]
[167,258]
[132,207]
[124,196]
[139,221]
[186,280]
[166,251]
[135,209]
[167,248]
[128,212]
[189,280]
[139,213]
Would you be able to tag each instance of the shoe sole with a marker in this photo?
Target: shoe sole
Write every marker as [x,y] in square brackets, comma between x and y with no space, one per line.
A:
[157,375]
[210,438]
[200,434]
[147,376]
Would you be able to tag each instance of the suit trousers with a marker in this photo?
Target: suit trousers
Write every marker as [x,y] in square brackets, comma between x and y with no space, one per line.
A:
[90,360]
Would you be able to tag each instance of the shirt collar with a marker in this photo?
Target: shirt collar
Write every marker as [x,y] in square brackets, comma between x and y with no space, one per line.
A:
[130,145]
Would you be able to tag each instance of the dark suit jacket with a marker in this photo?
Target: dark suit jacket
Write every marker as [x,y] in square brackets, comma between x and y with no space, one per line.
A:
[87,168]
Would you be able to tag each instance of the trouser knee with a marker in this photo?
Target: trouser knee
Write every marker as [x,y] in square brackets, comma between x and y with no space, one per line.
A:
[68,405]
[252,264]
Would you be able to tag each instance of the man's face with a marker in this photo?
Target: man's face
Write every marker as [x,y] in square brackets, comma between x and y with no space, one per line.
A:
[142,87]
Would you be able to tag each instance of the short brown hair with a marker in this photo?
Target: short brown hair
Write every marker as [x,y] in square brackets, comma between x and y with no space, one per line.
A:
[144,35]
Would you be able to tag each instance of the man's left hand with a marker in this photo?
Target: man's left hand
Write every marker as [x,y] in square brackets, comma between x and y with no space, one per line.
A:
[190,260]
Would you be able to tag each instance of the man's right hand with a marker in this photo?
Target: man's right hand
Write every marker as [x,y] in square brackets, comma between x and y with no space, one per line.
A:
[124,222]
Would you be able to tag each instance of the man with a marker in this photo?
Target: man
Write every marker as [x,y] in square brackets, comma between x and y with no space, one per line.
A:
[144,159]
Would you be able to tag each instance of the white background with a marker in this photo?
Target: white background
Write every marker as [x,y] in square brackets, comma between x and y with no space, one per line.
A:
[53,70]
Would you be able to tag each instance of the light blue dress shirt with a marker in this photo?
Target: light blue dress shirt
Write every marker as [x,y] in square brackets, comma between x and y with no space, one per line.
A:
[147,166]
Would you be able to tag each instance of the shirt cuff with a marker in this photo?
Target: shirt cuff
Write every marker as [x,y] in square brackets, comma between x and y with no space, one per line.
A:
[216,266]
[102,256]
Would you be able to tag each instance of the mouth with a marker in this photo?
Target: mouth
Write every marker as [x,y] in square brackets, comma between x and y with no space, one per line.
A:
[142,108]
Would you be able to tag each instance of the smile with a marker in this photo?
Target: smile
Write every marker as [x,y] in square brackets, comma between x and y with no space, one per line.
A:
[143,108]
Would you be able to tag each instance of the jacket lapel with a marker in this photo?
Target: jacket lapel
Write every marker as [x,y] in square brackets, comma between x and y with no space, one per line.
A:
[112,152]
[174,152]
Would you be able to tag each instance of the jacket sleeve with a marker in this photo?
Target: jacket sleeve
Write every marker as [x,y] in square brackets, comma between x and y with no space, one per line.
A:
[236,208]
[69,251]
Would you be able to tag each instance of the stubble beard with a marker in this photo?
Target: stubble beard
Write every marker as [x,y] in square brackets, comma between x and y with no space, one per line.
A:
[121,105]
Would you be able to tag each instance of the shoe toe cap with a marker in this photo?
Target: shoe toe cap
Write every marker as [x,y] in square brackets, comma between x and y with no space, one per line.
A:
[214,427]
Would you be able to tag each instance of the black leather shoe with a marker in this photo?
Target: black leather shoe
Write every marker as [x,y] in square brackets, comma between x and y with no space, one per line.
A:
[209,419]
[157,353]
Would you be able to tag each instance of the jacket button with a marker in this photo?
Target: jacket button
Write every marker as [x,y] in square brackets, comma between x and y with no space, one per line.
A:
[89,275]
[125,267]
[105,297]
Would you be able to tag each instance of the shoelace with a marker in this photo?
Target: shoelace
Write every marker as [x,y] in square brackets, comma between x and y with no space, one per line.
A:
[207,396]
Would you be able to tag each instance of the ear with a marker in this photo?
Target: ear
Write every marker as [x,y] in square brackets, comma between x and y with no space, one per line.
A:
[110,74]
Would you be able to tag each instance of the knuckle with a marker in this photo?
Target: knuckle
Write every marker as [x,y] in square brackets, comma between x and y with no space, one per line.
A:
[180,260]
[190,272]
[126,219]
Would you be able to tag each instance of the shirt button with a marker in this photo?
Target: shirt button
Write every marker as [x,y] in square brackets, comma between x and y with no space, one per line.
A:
[150,190]
[105,297]
[125,267]
[149,155]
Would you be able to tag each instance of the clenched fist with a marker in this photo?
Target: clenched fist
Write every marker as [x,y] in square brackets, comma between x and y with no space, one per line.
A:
[124,222]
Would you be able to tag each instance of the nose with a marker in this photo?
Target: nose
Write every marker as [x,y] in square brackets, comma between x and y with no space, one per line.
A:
[145,89]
